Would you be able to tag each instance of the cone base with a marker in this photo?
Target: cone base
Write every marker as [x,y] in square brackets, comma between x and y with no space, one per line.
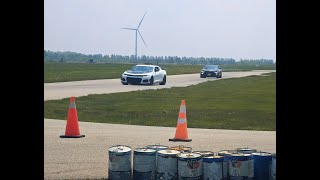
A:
[182,140]
[65,136]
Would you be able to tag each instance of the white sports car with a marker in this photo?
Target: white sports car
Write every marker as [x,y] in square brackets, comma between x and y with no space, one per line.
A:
[144,74]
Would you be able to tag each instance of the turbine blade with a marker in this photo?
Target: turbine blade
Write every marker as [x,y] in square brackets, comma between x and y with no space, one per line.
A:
[142,38]
[129,28]
[142,20]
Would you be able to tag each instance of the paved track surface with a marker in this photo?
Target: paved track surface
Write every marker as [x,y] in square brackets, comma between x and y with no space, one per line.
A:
[87,158]
[83,88]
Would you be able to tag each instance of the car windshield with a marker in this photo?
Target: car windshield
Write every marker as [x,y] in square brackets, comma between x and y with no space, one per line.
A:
[142,68]
[210,67]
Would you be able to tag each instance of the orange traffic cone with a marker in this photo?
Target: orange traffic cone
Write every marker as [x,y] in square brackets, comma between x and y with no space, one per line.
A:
[72,127]
[181,130]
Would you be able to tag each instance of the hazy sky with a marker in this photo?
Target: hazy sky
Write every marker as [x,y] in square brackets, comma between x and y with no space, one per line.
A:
[199,28]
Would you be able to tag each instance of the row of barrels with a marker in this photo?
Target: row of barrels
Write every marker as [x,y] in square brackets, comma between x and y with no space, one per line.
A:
[159,162]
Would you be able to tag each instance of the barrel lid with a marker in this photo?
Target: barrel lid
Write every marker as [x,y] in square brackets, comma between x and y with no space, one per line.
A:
[261,154]
[119,149]
[189,155]
[246,149]
[157,146]
[169,152]
[180,147]
[226,152]
[144,150]
[240,155]
[204,153]
[214,157]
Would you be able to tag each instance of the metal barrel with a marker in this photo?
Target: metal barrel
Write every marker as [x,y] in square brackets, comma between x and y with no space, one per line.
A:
[167,165]
[213,168]
[241,166]
[119,162]
[157,147]
[273,167]
[204,153]
[246,150]
[226,154]
[182,148]
[262,164]
[189,166]
[144,164]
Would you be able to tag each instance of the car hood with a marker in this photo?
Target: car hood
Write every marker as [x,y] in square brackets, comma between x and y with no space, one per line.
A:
[209,69]
[137,72]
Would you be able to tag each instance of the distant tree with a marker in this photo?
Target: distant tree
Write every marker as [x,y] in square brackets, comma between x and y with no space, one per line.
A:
[114,58]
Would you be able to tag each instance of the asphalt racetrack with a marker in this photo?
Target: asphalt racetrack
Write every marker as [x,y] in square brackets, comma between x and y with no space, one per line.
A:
[87,158]
[83,88]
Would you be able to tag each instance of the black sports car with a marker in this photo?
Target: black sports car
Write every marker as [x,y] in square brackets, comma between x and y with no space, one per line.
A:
[211,71]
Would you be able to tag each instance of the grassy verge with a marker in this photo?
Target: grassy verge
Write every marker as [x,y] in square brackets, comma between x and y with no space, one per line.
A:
[62,72]
[247,103]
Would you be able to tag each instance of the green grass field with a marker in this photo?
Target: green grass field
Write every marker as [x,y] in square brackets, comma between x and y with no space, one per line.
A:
[247,103]
[62,72]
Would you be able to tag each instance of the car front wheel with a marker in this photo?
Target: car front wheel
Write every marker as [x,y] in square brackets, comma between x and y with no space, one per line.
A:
[124,83]
[164,80]
[202,76]
[151,81]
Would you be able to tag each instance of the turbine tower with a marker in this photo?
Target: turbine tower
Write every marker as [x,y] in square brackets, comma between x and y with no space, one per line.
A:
[137,31]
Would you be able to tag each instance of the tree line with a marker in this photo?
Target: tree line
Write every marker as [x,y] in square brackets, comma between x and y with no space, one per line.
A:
[93,58]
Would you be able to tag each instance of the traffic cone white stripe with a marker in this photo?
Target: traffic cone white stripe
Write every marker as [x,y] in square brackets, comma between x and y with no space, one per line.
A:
[183,109]
[72,105]
[181,121]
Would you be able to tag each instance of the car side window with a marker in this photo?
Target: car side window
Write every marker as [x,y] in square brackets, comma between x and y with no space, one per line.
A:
[156,69]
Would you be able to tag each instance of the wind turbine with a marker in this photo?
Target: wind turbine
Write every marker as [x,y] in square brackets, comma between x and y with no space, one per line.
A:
[137,31]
